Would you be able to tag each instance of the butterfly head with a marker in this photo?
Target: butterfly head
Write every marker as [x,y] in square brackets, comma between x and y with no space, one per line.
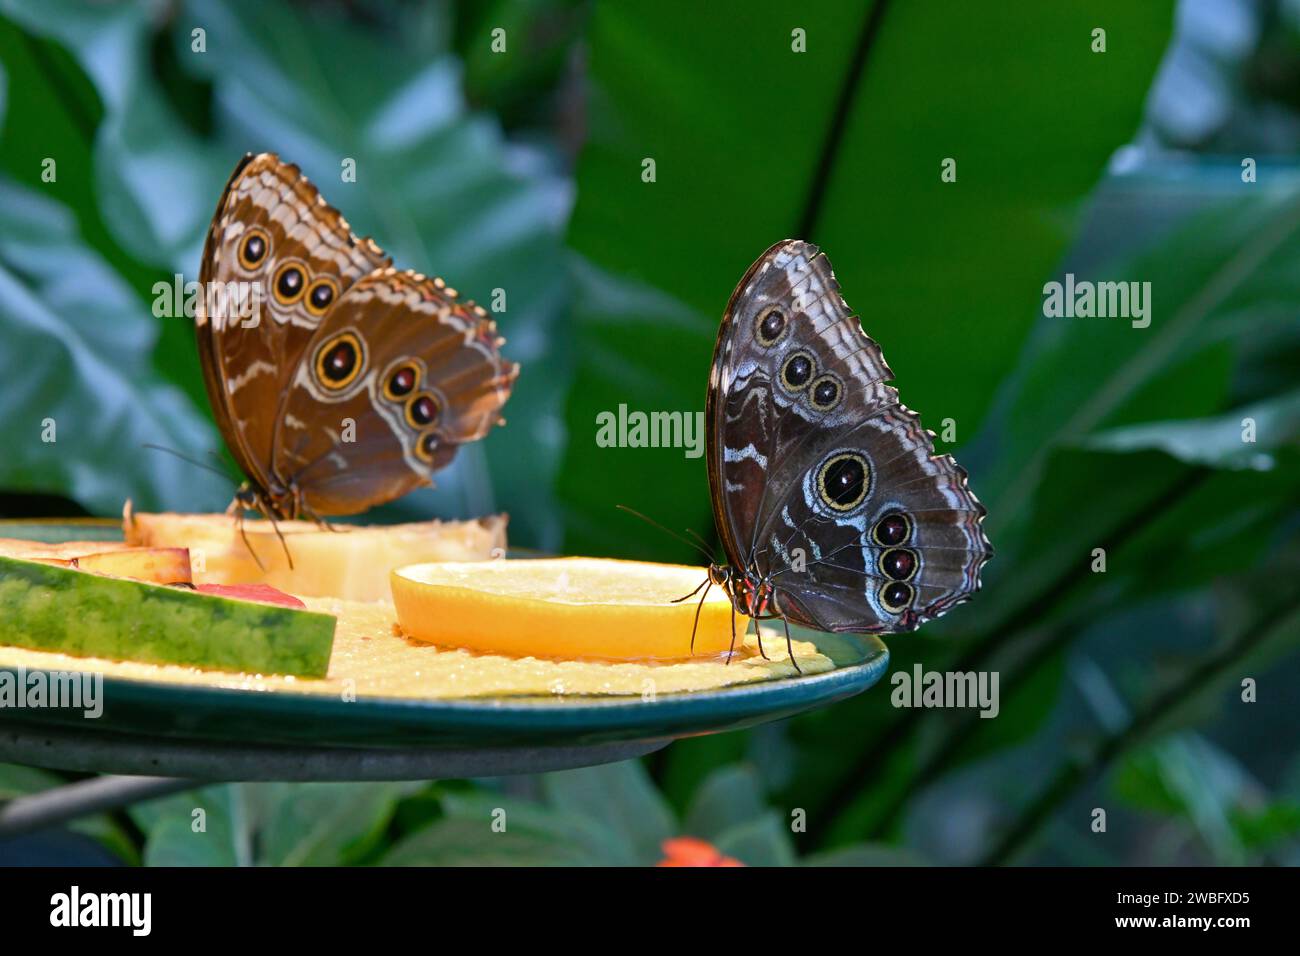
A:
[750,592]
[276,502]
[246,499]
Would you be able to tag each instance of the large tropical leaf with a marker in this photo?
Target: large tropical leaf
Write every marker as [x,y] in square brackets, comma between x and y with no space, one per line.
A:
[842,144]
[80,400]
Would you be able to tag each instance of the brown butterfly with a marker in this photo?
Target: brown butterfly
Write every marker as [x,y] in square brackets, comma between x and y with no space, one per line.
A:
[353,382]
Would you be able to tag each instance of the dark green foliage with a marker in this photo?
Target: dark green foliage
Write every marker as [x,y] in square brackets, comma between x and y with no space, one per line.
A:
[1120,689]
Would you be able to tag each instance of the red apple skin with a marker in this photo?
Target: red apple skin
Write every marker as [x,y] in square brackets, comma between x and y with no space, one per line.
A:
[261,593]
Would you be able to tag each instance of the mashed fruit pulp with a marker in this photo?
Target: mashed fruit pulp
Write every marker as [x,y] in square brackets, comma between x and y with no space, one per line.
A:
[372,659]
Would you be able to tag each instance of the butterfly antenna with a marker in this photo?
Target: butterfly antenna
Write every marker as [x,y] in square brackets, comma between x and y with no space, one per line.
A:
[651,521]
[703,544]
[216,456]
[193,461]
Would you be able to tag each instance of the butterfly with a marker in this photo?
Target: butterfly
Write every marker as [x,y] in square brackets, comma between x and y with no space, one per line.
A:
[349,383]
[833,509]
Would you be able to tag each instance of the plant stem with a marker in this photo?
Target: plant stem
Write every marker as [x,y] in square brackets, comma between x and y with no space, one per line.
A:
[839,119]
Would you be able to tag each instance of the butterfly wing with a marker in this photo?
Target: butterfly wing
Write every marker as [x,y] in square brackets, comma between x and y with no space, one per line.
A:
[398,375]
[272,231]
[822,483]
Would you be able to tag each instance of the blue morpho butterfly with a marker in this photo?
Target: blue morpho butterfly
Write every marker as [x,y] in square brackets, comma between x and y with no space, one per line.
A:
[833,509]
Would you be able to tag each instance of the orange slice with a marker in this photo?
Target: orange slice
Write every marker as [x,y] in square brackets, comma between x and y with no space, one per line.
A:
[564,607]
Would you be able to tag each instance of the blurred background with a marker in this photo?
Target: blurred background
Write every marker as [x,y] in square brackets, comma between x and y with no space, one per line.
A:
[1170,157]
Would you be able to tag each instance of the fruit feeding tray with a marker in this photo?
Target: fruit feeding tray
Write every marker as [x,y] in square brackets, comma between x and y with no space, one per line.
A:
[187,732]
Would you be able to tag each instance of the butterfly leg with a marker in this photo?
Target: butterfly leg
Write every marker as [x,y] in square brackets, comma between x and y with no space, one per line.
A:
[284,544]
[758,634]
[706,585]
[264,506]
[789,647]
[320,522]
[732,650]
[302,510]
[239,523]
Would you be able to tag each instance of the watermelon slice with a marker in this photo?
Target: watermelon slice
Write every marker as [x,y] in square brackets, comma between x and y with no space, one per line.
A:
[50,608]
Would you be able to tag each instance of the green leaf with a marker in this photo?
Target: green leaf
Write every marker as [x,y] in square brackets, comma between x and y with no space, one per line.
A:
[1267,827]
[865,854]
[519,88]
[620,797]
[280,824]
[175,843]
[81,394]
[1216,441]
[213,826]
[19,781]
[60,101]
[460,842]
[1024,706]
[1264,628]
[487,829]
[155,180]
[1189,775]
[688,763]
[729,796]
[326,824]
[1218,276]
[764,841]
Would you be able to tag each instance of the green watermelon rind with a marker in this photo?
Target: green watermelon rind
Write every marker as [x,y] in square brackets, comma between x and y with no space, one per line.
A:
[48,608]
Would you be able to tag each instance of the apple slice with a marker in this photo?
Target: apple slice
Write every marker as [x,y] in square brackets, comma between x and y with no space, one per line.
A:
[156,565]
[260,593]
[349,561]
[159,565]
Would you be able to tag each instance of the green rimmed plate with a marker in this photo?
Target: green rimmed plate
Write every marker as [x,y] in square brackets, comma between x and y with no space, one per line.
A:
[148,714]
